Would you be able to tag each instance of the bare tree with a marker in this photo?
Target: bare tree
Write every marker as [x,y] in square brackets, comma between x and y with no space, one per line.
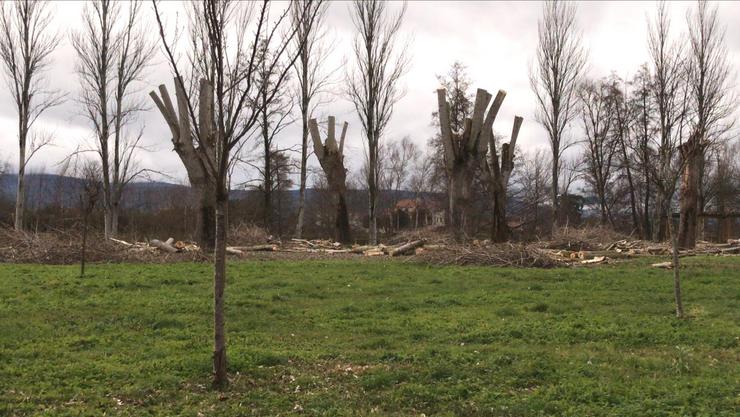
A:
[555,79]
[532,183]
[313,80]
[642,135]
[275,114]
[420,180]
[601,147]
[112,56]
[89,195]
[712,103]
[26,45]
[669,98]
[373,83]
[622,124]
[226,38]
[571,170]
[401,156]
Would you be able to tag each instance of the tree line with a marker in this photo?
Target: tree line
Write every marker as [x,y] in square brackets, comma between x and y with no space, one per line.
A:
[241,70]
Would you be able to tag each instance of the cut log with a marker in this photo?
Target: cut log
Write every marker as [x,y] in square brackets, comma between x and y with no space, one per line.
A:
[233,251]
[408,247]
[665,265]
[163,246]
[121,242]
[363,249]
[729,251]
[596,260]
[255,248]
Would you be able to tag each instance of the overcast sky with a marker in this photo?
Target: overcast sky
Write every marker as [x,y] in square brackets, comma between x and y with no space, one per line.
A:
[495,40]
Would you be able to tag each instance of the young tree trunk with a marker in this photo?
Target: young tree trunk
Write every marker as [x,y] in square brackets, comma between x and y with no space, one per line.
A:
[84,244]
[676,274]
[267,180]
[219,285]
[20,197]
[554,188]
[372,188]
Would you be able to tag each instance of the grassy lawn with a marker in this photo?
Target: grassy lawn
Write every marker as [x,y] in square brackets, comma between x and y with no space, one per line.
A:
[369,338]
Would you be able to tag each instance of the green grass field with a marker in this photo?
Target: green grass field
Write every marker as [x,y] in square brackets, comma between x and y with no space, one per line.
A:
[370,338]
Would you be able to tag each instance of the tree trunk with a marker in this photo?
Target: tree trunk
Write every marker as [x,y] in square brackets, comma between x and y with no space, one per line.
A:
[343,231]
[646,226]
[554,187]
[301,202]
[663,208]
[633,201]
[20,197]
[676,275]
[84,245]
[459,196]
[107,221]
[305,102]
[687,225]
[206,222]
[372,186]
[267,182]
[219,285]
[114,213]
[500,230]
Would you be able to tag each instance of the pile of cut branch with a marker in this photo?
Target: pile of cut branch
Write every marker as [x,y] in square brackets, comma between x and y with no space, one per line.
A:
[504,254]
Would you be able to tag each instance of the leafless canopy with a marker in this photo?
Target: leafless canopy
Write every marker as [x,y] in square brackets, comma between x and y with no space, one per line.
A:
[709,74]
[555,76]
[373,84]
[26,44]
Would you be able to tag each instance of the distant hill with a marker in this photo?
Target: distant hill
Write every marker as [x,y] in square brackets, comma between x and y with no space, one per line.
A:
[45,190]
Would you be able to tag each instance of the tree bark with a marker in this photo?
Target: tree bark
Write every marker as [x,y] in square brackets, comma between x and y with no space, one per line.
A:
[343,233]
[459,200]
[689,191]
[205,232]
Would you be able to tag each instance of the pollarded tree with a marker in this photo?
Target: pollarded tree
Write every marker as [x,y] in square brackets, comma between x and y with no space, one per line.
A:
[26,45]
[466,152]
[331,158]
